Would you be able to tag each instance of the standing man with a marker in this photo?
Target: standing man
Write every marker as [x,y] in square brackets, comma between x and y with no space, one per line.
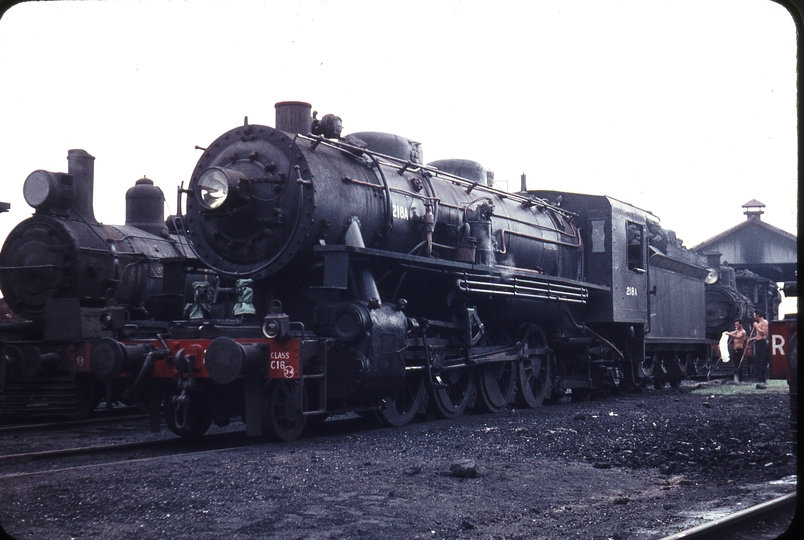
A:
[760,339]
[738,345]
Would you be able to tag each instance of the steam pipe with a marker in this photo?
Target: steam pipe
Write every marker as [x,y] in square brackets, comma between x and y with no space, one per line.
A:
[364,280]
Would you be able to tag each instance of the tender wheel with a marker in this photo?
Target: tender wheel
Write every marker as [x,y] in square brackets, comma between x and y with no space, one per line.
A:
[680,366]
[450,401]
[646,367]
[658,374]
[282,404]
[185,414]
[534,372]
[401,408]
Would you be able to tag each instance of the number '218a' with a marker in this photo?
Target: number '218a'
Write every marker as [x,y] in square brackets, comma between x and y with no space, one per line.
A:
[401,212]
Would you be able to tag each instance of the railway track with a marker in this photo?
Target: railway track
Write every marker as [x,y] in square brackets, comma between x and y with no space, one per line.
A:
[747,523]
[69,424]
[114,453]
[48,460]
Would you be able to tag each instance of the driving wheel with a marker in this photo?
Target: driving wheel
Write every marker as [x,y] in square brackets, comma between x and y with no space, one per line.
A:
[455,391]
[402,407]
[534,371]
[496,382]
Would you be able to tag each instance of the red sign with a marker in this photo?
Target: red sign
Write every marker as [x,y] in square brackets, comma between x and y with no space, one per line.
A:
[284,359]
[780,333]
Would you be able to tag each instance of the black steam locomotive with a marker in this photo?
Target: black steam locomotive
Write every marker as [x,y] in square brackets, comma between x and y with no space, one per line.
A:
[311,273]
[733,295]
[70,282]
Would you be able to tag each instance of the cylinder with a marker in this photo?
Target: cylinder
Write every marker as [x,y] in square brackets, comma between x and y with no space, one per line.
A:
[293,116]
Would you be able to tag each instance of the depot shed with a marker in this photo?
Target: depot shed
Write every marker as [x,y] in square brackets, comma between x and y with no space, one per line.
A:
[756,246]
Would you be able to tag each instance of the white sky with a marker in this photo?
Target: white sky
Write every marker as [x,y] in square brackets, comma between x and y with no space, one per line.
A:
[685,108]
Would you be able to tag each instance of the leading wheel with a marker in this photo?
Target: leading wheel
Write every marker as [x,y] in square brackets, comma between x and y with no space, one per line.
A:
[399,409]
[451,399]
[534,372]
[282,410]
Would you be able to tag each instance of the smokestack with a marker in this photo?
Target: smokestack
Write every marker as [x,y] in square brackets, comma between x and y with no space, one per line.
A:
[524,182]
[294,117]
[713,259]
[81,166]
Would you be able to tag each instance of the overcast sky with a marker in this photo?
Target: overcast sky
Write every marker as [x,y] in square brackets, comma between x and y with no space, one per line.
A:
[686,108]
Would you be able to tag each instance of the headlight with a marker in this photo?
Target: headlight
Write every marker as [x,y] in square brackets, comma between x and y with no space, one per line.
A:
[712,277]
[41,187]
[213,188]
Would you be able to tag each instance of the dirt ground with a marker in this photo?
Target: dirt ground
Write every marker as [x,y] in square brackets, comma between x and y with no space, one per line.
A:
[639,466]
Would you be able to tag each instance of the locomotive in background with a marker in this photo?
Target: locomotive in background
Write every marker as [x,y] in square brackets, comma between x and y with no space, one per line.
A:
[70,283]
[311,273]
[735,295]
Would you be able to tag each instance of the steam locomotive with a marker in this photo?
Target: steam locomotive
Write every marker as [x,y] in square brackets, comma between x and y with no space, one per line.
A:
[730,296]
[309,274]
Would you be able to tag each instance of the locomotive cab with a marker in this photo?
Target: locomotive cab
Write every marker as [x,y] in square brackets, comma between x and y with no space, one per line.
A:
[615,236]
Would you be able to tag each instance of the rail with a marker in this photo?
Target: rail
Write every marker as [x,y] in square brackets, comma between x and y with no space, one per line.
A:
[708,530]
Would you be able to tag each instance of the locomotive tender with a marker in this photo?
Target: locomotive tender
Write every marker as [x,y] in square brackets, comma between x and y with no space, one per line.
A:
[310,274]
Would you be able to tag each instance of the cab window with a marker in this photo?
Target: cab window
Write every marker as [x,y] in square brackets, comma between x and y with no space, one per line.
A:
[635,241]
